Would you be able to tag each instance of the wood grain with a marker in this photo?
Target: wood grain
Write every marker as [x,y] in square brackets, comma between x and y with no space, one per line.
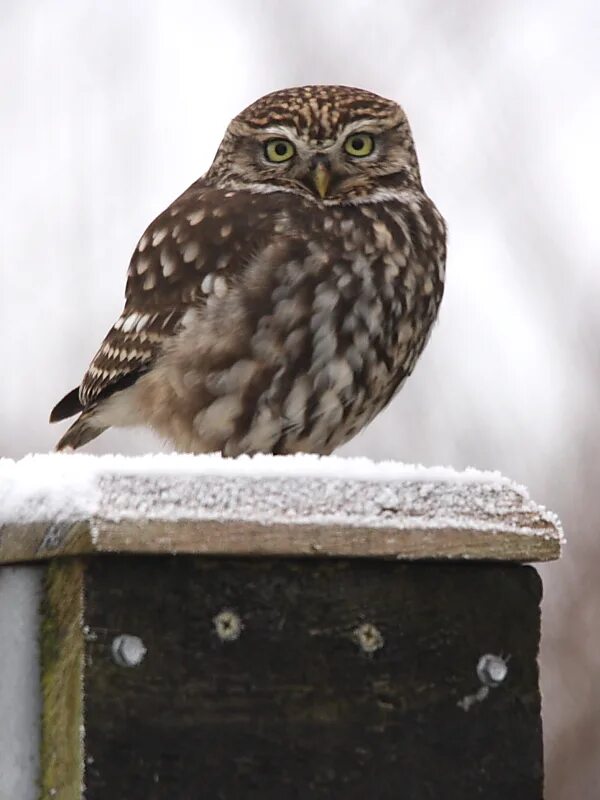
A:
[61,671]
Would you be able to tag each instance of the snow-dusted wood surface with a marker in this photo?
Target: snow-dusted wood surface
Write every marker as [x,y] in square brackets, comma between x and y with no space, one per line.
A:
[54,505]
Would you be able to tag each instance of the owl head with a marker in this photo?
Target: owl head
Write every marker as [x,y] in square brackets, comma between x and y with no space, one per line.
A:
[334,144]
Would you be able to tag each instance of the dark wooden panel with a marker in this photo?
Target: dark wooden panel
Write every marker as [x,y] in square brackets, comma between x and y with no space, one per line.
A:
[294,708]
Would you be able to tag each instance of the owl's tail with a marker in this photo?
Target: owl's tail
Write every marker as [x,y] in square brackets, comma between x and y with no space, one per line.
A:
[82,431]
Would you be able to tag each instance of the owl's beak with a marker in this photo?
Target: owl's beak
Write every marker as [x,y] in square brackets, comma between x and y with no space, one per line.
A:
[321,176]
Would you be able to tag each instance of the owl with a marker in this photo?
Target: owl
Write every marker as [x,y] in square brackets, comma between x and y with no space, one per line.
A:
[281,301]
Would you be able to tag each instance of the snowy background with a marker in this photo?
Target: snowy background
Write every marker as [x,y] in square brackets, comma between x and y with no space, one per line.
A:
[109,110]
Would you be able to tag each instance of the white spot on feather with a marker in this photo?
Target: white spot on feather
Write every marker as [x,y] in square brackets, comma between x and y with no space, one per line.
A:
[167,319]
[142,265]
[129,322]
[368,211]
[190,251]
[168,263]
[142,322]
[207,283]
[220,287]
[158,236]
[196,217]
[383,237]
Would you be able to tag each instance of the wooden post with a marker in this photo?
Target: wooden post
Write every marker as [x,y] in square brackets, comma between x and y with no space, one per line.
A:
[277,628]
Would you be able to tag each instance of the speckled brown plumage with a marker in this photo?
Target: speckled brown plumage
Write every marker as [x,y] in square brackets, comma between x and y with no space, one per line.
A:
[266,311]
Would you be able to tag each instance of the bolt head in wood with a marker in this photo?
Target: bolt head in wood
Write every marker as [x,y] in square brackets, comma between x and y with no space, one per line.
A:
[128,651]
[228,625]
[492,670]
[369,637]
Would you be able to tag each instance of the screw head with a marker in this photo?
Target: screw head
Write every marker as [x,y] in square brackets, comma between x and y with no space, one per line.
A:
[369,637]
[228,625]
[491,669]
[128,651]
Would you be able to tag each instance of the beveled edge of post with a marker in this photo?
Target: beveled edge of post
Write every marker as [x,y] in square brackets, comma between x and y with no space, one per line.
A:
[266,506]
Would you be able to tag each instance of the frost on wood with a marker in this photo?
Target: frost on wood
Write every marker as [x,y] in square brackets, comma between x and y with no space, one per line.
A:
[293,505]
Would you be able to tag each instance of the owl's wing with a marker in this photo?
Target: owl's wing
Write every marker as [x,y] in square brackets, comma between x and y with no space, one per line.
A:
[191,251]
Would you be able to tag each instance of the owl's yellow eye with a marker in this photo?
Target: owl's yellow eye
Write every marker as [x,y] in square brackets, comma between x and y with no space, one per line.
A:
[278,150]
[359,144]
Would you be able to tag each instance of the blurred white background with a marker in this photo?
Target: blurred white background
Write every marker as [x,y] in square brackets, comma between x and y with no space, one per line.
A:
[109,110]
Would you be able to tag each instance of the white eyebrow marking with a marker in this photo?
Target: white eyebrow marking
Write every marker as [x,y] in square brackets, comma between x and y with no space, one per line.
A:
[301,145]
[368,125]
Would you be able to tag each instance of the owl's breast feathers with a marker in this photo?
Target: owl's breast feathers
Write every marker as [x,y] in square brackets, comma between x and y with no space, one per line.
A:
[267,322]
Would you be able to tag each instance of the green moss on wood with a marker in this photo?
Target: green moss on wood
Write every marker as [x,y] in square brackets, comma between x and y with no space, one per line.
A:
[62,648]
